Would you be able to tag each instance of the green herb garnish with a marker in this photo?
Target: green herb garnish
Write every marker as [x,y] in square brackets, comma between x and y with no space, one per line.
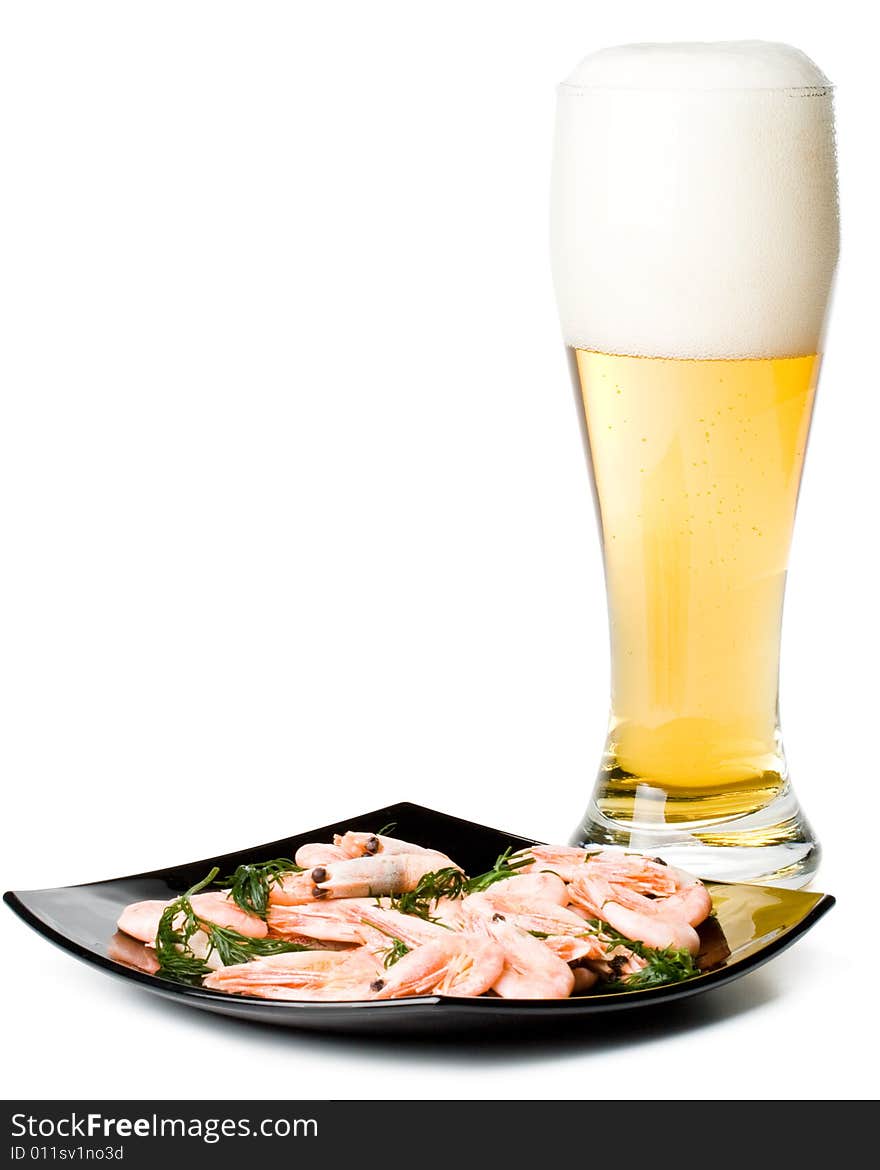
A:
[452,883]
[503,868]
[442,883]
[396,951]
[665,965]
[176,957]
[249,886]
[233,947]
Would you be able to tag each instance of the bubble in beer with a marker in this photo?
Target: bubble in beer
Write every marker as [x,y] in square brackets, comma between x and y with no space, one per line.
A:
[694,208]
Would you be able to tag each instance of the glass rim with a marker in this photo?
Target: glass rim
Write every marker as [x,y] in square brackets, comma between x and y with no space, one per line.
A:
[571,89]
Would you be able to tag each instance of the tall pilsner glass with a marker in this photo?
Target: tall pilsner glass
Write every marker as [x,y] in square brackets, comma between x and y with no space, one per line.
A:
[694,242]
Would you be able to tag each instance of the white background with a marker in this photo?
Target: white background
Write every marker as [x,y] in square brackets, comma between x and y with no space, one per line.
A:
[295,519]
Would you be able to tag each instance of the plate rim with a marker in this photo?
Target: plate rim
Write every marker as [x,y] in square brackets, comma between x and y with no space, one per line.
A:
[206,997]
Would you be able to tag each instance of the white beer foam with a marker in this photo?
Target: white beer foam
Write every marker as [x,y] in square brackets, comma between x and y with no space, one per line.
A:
[700,65]
[694,206]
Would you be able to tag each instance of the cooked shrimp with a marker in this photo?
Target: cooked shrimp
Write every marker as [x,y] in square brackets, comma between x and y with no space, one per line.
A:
[584,979]
[331,975]
[369,844]
[380,925]
[308,856]
[682,895]
[292,889]
[125,949]
[644,899]
[531,969]
[566,933]
[141,919]
[619,961]
[216,906]
[546,886]
[461,964]
[645,875]
[562,919]
[356,921]
[360,877]
[566,861]
[333,921]
[571,949]
[531,914]
[633,914]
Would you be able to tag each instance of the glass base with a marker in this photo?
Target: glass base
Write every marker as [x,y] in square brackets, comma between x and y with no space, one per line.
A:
[772,846]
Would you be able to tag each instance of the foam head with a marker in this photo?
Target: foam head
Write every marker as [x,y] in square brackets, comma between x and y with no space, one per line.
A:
[694,206]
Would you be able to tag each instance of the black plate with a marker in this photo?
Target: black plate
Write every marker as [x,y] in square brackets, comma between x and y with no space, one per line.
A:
[750,926]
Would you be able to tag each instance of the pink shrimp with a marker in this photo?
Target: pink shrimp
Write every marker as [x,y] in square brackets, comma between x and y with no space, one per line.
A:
[633,914]
[646,887]
[124,949]
[677,894]
[545,886]
[572,950]
[537,934]
[380,926]
[533,914]
[531,969]
[460,964]
[141,919]
[292,889]
[688,897]
[307,975]
[584,979]
[619,961]
[567,935]
[369,844]
[308,856]
[327,921]
[564,860]
[216,906]
[360,877]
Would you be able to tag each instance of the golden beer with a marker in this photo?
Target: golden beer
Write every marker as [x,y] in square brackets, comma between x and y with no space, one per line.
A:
[696,466]
[694,236]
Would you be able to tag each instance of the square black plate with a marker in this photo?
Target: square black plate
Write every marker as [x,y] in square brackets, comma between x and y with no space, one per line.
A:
[750,926]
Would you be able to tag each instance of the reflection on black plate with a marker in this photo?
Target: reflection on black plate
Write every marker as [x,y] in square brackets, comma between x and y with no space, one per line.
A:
[750,926]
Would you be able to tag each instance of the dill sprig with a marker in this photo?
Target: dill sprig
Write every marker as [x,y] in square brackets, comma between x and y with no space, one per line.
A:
[441,883]
[232,947]
[176,958]
[396,951]
[250,885]
[452,883]
[665,965]
[178,961]
[669,965]
[503,868]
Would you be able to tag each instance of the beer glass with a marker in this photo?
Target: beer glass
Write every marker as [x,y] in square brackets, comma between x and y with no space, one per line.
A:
[694,242]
